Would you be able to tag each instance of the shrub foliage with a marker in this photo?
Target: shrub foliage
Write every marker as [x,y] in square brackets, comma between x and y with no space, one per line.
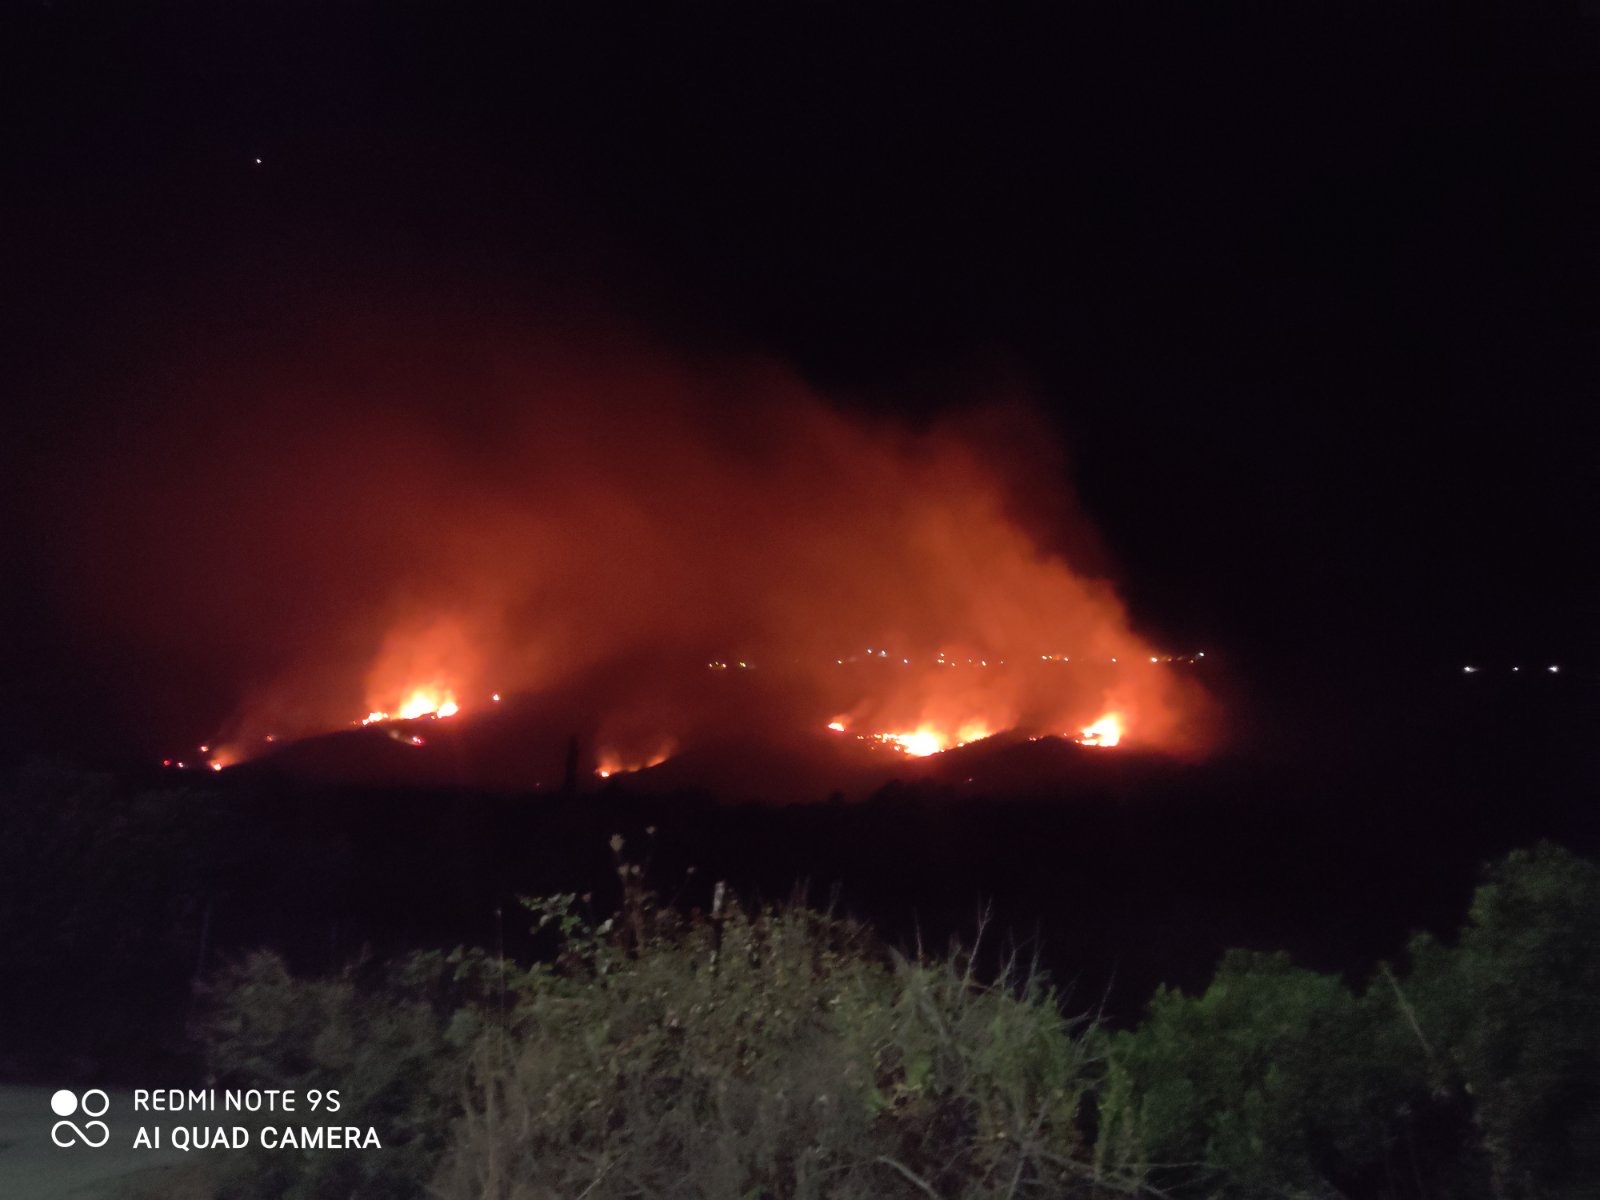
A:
[779,1052]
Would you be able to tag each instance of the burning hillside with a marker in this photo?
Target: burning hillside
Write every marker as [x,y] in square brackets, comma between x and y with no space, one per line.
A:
[597,525]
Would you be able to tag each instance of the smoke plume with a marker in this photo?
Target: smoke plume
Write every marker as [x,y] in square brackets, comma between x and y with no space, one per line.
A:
[380,517]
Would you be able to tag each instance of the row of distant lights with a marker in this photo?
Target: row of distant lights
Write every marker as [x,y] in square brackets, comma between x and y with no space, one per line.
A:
[942,661]
[1553,669]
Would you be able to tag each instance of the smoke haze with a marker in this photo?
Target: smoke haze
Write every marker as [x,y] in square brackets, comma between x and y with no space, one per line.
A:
[388,511]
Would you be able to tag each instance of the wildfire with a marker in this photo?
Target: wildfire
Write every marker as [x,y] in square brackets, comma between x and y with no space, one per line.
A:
[919,744]
[420,702]
[614,764]
[1107,731]
[908,704]
[426,703]
[724,579]
[924,740]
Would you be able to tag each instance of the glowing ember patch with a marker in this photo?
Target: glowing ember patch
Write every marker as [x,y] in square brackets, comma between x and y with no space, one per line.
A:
[972,732]
[1107,731]
[614,764]
[836,726]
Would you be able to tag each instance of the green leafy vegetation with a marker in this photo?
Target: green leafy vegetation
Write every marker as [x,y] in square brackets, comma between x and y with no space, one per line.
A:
[782,1052]
[1475,1074]
[393,1042]
[1276,1079]
[1512,1017]
[773,1052]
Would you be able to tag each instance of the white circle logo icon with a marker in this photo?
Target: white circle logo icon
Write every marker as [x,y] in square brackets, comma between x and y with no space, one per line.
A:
[93,1103]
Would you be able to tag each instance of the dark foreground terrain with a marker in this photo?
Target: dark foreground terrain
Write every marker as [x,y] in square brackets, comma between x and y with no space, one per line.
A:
[265,926]
[1331,839]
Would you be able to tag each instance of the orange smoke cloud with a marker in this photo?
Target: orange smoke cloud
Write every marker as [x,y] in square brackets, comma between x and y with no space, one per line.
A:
[392,542]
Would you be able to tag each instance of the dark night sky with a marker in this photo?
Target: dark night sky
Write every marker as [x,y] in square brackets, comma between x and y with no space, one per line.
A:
[1310,291]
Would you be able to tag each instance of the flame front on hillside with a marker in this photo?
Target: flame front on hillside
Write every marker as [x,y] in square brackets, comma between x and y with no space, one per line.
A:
[599,525]
[1107,731]
[420,702]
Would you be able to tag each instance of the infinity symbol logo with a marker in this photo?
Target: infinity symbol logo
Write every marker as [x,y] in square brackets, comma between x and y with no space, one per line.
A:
[65,1103]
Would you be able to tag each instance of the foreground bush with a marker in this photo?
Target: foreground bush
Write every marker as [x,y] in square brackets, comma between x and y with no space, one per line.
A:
[1477,1074]
[1276,1080]
[771,1054]
[393,1041]
[1511,1015]
[780,1053]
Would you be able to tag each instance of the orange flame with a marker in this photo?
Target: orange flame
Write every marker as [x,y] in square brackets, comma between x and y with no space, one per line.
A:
[1107,731]
[926,739]
[421,670]
[918,744]
[612,763]
[428,702]
[422,702]
[902,542]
